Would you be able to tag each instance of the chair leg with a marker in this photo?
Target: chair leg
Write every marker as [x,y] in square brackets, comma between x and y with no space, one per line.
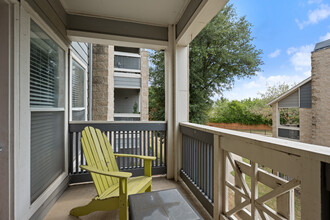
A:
[95,205]
[123,212]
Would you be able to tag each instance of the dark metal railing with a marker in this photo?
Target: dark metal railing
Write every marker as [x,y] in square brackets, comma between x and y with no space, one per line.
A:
[141,138]
[197,164]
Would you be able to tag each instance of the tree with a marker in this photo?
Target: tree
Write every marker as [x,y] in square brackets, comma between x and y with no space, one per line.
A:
[222,52]
[157,88]
[274,91]
[247,111]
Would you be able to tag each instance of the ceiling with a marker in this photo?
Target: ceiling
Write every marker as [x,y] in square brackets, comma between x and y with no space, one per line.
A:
[155,12]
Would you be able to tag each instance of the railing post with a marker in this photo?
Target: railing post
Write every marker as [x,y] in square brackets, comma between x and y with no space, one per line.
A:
[254,189]
[285,205]
[310,189]
[220,177]
[217,177]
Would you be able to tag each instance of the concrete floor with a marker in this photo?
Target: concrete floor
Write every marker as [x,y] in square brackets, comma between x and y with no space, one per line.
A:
[82,194]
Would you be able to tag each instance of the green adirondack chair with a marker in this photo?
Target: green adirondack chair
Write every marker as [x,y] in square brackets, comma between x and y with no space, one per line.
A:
[112,186]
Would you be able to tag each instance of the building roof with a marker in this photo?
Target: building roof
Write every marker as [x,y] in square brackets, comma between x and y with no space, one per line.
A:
[290,91]
[322,45]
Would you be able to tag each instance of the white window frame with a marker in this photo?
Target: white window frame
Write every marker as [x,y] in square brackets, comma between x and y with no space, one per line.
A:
[74,57]
[22,155]
[125,54]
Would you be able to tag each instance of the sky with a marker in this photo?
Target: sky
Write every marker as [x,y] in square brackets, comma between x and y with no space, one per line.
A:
[286,31]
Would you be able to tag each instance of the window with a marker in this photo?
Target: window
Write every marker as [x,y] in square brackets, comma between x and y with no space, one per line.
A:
[47,99]
[127,62]
[78,90]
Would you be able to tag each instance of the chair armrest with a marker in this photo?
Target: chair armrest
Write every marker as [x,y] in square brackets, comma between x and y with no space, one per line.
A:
[106,173]
[136,156]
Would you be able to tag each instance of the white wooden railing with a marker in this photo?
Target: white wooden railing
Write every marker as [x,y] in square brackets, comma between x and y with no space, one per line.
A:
[302,162]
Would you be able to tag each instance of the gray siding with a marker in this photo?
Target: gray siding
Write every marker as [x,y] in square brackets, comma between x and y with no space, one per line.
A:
[188,13]
[127,119]
[81,50]
[53,13]
[306,95]
[288,133]
[125,100]
[116,27]
[292,101]
[127,82]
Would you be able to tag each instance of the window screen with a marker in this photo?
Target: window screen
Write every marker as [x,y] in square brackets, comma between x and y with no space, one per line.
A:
[47,90]
[78,85]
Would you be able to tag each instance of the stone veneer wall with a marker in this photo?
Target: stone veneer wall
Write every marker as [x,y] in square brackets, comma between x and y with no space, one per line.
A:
[321,97]
[103,93]
[144,86]
[305,122]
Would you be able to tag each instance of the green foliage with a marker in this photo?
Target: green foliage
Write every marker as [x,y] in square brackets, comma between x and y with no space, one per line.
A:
[222,52]
[247,111]
[135,108]
[157,88]
[274,91]
[254,111]
[289,116]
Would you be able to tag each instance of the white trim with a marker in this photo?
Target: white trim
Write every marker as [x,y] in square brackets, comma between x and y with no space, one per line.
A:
[78,109]
[290,91]
[127,70]
[47,109]
[126,87]
[107,39]
[43,25]
[289,128]
[73,56]
[126,54]
[22,155]
[128,75]
[127,115]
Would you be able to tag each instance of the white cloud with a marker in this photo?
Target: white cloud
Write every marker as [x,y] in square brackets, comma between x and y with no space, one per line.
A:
[315,16]
[301,57]
[325,37]
[251,88]
[274,54]
[314,1]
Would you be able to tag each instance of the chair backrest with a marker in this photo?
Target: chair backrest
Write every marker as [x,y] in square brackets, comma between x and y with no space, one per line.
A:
[99,154]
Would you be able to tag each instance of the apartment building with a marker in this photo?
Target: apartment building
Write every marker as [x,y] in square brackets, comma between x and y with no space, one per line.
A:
[120,83]
[108,83]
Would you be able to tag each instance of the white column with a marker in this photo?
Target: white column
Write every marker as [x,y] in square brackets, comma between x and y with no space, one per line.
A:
[177,100]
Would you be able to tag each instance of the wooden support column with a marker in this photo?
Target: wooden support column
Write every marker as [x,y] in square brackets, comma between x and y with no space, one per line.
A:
[177,100]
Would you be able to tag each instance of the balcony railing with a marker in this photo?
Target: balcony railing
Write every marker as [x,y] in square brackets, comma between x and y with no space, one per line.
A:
[228,170]
[141,138]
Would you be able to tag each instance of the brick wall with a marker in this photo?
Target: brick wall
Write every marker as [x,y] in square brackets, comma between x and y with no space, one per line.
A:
[103,100]
[305,123]
[144,86]
[321,97]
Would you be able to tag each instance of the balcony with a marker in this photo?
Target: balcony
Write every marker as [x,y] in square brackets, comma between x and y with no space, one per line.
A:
[215,164]
[213,175]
